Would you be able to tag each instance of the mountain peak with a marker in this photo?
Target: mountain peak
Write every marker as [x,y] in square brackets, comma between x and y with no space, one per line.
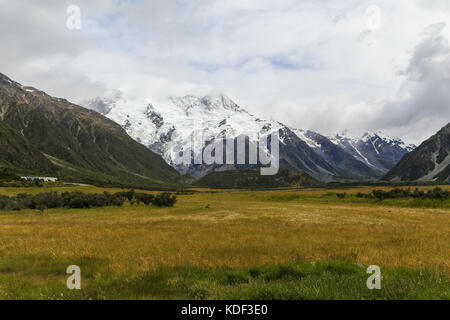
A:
[167,126]
[104,105]
[208,103]
[378,134]
[375,148]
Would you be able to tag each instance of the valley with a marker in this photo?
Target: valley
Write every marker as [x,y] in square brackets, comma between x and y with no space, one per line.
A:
[243,151]
[290,244]
[308,232]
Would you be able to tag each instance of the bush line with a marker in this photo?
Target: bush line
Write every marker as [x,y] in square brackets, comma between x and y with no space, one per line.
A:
[434,194]
[80,200]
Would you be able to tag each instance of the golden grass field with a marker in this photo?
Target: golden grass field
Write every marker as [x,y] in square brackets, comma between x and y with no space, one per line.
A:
[240,229]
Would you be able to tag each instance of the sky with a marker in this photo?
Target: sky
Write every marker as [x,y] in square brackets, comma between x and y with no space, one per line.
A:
[327,66]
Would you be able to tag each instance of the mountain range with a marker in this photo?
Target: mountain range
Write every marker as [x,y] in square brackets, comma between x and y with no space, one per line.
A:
[167,127]
[40,134]
[128,142]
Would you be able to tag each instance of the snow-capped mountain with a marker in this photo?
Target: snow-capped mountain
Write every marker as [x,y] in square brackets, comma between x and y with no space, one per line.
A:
[169,126]
[337,155]
[375,149]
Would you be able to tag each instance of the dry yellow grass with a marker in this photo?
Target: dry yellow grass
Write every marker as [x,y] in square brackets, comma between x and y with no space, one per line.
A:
[240,229]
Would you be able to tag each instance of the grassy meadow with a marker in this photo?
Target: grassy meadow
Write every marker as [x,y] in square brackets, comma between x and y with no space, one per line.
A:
[283,244]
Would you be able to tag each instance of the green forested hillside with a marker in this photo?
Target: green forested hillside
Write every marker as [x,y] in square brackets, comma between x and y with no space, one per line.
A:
[252,179]
[43,134]
[17,152]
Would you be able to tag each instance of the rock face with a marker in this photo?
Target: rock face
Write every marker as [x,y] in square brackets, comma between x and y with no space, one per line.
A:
[168,127]
[337,154]
[43,134]
[429,162]
[375,149]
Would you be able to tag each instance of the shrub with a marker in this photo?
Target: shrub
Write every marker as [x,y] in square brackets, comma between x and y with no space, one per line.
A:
[283,272]
[417,194]
[436,193]
[47,199]
[4,202]
[364,195]
[80,200]
[56,200]
[38,182]
[129,195]
[164,199]
[236,277]
[144,198]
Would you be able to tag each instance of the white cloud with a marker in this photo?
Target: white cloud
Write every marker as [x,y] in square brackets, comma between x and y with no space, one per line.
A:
[310,64]
[424,99]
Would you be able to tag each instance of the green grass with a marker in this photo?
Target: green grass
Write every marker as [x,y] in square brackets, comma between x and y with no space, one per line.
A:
[326,197]
[292,281]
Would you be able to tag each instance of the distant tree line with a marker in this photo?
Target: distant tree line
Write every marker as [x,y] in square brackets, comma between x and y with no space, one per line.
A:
[436,193]
[9,178]
[378,184]
[79,200]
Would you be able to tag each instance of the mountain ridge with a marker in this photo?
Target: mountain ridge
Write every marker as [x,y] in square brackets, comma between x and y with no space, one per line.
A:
[166,127]
[78,143]
[430,162]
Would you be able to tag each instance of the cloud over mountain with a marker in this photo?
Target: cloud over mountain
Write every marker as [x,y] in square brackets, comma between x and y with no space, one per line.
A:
[318,65]
[424,98]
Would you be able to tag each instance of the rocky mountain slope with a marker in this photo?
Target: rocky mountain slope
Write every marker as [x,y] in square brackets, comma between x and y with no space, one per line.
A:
[429,162]
[336,154]
[375,149]
[43,134]
[167,127]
